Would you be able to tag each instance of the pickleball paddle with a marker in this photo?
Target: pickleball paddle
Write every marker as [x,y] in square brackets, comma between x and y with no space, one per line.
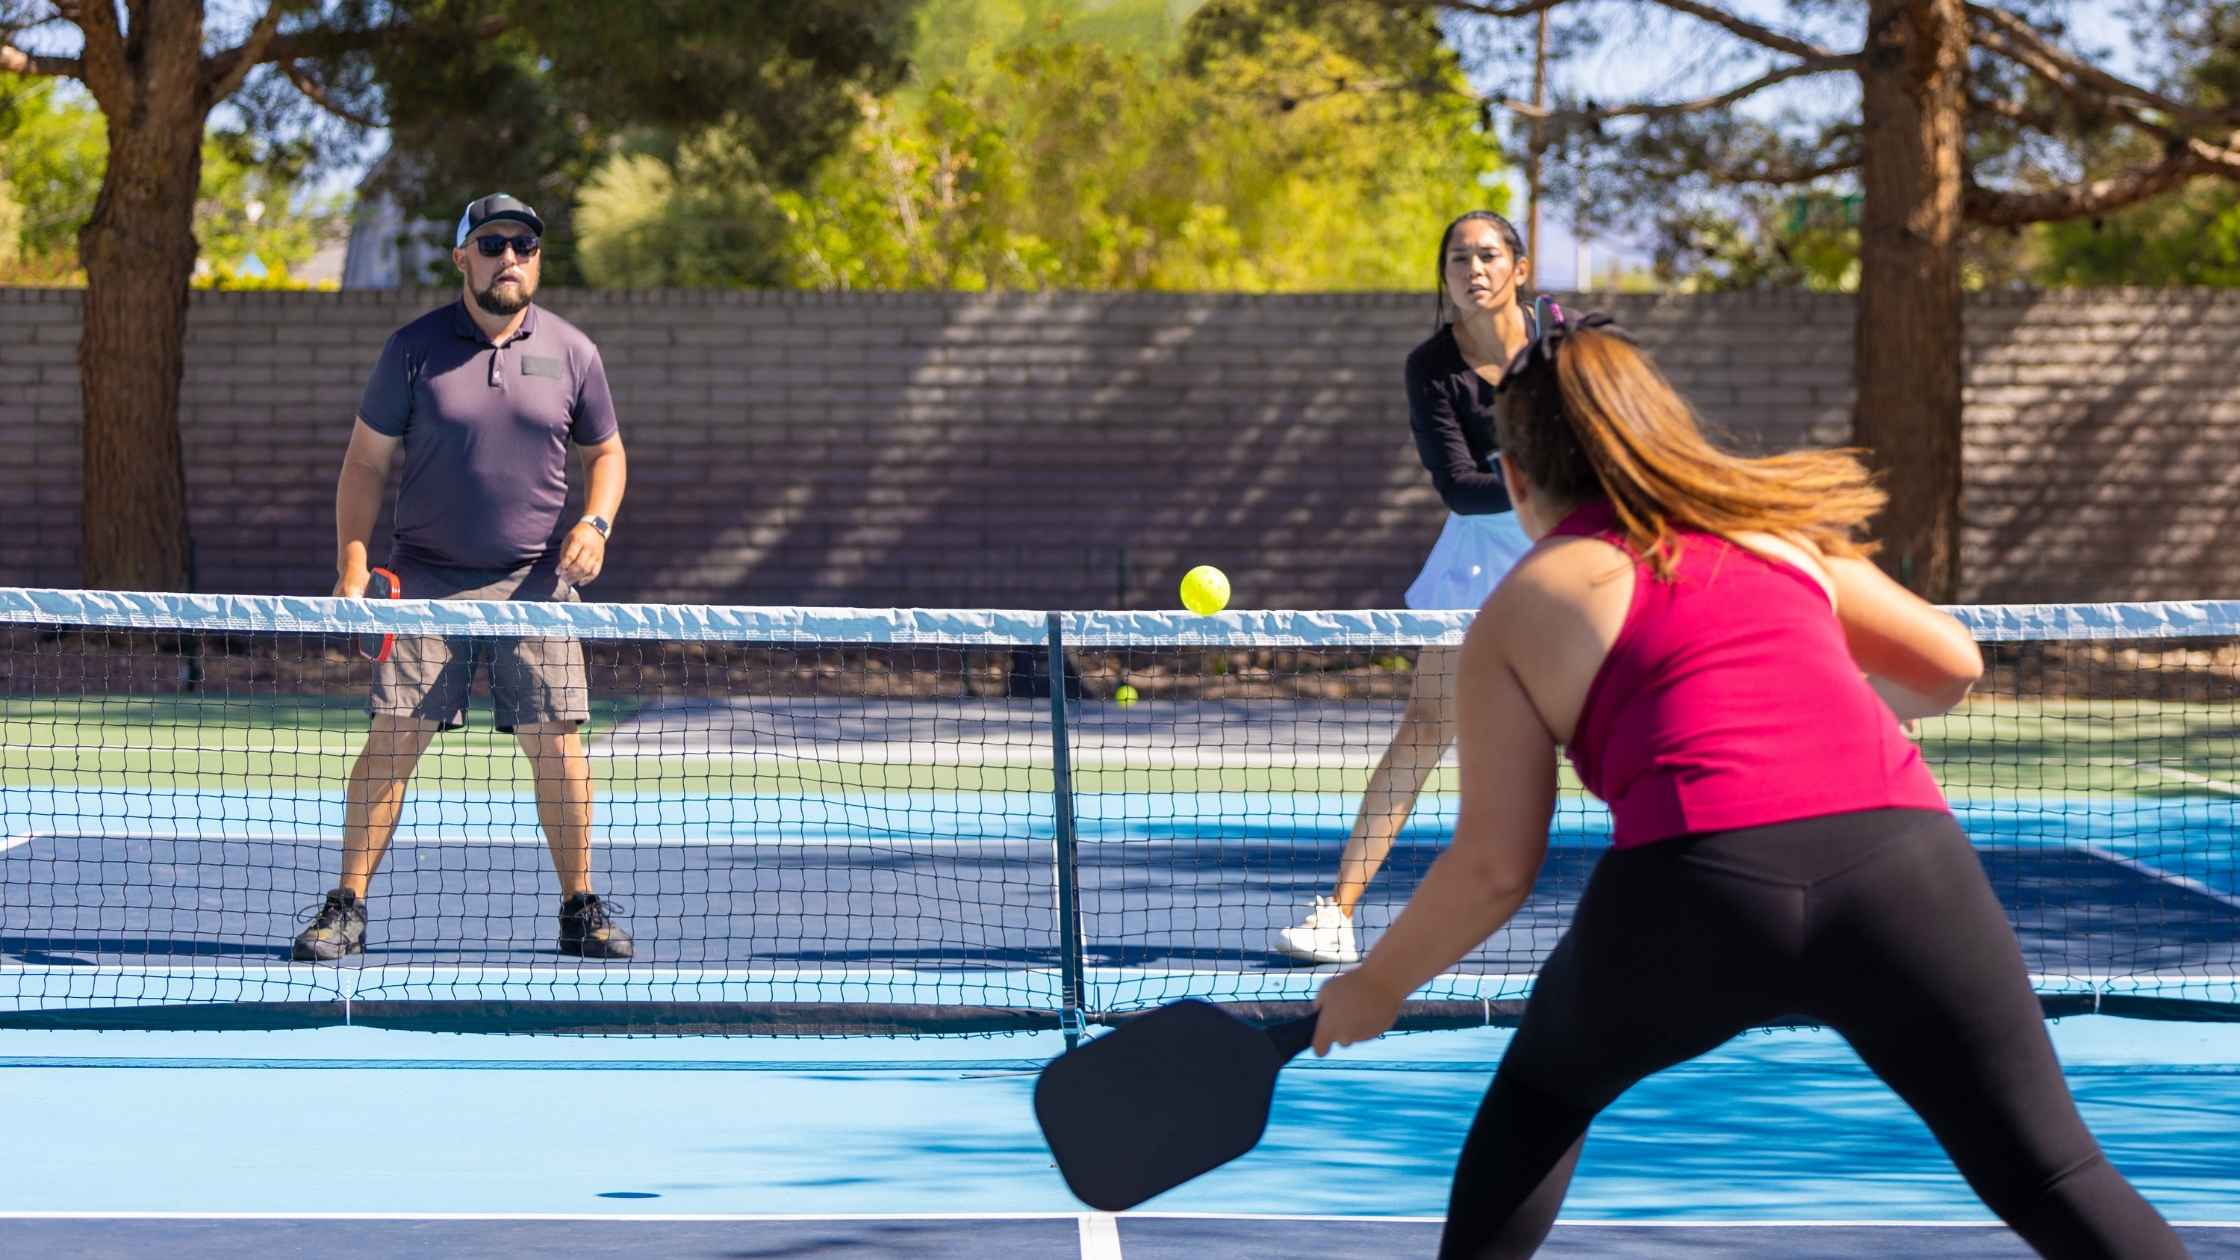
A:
[1161,1099]
[380,584]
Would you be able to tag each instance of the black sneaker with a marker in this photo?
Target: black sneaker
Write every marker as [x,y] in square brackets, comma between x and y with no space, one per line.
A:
[587,930]
[338,931]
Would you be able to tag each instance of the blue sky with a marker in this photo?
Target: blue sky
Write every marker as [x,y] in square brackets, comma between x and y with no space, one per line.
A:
[1686,65]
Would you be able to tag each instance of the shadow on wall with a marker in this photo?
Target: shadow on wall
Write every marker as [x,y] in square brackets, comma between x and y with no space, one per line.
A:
[1084,450]
[2099,448]
[1038,451]
[1079,450]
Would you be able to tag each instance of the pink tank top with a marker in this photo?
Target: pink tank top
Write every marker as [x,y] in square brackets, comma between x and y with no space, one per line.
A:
[1730,700]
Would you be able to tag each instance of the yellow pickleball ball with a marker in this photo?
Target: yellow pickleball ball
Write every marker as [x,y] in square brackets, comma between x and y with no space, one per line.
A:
[1205,590]
[1125,695]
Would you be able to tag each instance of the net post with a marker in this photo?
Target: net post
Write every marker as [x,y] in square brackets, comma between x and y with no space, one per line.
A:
[1066,854]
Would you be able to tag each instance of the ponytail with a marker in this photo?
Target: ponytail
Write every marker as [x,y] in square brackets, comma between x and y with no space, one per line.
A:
[1584,412]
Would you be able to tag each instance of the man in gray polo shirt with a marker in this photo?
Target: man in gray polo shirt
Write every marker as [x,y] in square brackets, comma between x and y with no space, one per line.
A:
[482,397]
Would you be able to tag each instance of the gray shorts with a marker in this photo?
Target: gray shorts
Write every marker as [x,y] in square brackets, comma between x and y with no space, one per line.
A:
[531,680]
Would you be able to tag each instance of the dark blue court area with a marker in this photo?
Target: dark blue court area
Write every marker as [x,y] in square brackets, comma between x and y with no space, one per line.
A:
[1166,901]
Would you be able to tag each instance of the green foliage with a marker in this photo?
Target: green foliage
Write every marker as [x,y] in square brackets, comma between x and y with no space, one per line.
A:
[1270,145]
[228,276]
[569,86]
[11,228]
[960,40]
[50,173]
[1758,240]
[252,206]
[704,219]
[2192,238]
[50,163]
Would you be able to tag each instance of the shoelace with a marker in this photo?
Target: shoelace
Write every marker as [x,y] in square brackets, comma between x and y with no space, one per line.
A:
[597,913]
[330,914]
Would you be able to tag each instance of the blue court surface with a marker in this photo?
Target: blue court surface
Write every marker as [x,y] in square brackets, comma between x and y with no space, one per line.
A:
[383,1143]
[378,1141]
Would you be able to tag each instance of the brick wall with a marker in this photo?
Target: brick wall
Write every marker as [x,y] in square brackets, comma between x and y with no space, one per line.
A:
[2103,446]
[1082,450]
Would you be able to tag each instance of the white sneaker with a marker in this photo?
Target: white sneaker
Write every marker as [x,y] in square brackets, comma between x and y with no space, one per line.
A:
[1324,936]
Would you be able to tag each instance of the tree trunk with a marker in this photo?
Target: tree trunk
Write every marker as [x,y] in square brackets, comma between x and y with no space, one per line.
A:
[1908,339]
[139,250]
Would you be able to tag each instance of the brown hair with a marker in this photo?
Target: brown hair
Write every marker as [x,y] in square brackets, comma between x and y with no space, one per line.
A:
[1604,421]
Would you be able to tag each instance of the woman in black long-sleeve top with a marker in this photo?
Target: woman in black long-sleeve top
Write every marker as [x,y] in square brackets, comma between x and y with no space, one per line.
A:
[1483,321]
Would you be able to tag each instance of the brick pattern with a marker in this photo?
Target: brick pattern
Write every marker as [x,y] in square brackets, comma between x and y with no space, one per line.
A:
[1079,451]
[2103,446]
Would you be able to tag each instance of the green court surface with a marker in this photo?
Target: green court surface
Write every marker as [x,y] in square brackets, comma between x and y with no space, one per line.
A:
[1993,744]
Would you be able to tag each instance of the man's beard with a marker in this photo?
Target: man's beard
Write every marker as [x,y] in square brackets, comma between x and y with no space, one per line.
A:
[496,303]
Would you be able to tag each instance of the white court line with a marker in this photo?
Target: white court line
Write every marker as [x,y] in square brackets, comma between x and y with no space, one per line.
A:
[950,756]
[1628,1223]
[947,755]
[1100,1236]
[2188,776]
[646,1217]
[853,834]
[1104,975]
[857,837]
[774,1217]
[2187,882]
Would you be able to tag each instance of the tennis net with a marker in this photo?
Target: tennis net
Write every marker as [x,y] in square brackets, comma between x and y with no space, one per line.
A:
[922,821]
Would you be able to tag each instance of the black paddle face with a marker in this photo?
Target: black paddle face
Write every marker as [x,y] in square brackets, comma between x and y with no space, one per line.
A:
[380,584]
[1161,1099]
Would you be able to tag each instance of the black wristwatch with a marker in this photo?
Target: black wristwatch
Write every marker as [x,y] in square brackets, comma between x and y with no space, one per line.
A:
[598,523]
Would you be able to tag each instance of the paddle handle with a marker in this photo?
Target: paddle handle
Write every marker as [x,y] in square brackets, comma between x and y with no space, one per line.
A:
[1293,1036]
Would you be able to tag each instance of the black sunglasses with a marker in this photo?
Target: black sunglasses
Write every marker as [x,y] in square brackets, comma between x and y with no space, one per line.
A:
[525,245]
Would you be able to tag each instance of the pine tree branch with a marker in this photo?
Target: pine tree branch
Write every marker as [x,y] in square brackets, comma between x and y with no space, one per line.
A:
[316,92]
[313,44]
[1486,8]
[1757,33]
[2013,38]
[1766,171]
[16,61]
[1769,174]
[2183,160]
[317,43]
[2017,112]
[223,72]
[1669,109]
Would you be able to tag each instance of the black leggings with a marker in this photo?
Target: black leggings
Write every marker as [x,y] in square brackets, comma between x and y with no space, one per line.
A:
[1880,925]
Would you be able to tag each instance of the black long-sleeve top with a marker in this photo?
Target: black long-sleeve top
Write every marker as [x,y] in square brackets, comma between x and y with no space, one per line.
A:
[1450,408]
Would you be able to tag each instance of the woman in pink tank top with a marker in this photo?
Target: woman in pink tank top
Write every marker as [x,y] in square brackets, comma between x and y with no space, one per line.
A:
[1705,636]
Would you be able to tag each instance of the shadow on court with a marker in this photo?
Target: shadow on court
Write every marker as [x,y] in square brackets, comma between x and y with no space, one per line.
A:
[1182,894]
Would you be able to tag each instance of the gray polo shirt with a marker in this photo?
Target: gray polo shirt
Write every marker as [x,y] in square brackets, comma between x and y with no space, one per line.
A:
[486,430]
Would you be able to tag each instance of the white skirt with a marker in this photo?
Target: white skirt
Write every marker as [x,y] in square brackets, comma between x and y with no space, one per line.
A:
[1471,557]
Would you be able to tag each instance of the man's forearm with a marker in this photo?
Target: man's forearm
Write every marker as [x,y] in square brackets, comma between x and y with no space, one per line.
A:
[604,473]
[357,504]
